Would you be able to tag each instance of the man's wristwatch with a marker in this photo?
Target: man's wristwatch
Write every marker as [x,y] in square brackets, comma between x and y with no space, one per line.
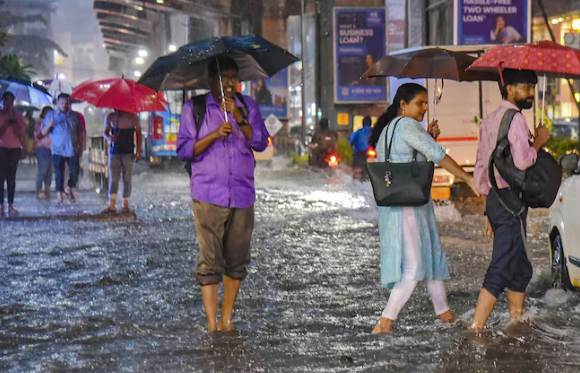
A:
[243,122]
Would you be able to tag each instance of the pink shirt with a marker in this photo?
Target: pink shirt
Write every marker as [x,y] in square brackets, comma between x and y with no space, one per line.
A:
[43,142]
[11,138]
[523,153]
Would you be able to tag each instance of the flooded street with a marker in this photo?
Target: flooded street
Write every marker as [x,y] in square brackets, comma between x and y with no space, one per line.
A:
[119,296]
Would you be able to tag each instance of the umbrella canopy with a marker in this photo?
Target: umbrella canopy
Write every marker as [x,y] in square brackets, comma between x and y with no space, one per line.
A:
[187,67]
[430,63]
[25,91]
[119,94]
[544,57]
[58,86]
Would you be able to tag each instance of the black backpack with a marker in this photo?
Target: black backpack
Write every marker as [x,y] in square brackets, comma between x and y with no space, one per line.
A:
[199,108]
[537,186]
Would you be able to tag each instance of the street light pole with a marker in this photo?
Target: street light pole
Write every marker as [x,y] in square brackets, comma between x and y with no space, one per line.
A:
[302,90]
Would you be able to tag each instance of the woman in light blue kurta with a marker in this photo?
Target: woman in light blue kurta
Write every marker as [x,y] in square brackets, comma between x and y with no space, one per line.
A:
[410,245]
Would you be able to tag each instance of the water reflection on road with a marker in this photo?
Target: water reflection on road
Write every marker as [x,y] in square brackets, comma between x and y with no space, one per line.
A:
[120,296]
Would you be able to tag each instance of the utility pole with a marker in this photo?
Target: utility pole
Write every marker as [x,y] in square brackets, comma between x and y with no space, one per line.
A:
[302,90]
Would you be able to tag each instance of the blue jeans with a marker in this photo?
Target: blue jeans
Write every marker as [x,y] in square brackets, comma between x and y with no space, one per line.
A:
[44,159]
[73,165]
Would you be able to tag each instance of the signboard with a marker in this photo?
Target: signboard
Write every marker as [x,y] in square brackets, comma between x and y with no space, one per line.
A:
[360,39]
[273,125]
[271,94]
[492,21]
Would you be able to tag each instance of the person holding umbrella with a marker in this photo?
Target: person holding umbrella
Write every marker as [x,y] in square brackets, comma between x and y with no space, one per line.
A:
[11,134]
[510,266]
[120,129]
[222,185]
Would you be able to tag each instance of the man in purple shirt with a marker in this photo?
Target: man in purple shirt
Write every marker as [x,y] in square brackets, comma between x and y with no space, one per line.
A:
[222,186]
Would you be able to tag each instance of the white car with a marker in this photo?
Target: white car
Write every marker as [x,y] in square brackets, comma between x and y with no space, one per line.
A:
[565,228]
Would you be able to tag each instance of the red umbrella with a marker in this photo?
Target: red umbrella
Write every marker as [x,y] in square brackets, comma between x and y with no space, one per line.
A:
[120,94]
[544,57]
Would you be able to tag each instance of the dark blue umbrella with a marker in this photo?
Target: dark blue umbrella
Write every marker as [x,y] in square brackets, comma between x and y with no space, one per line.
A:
[186,68]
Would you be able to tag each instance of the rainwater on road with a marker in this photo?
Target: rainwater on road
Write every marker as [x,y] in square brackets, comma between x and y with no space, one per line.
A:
[100,295]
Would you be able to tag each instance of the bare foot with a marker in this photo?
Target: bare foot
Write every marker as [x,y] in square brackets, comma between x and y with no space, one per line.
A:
[447,317]
[383,326]
[212,328]
[226,326]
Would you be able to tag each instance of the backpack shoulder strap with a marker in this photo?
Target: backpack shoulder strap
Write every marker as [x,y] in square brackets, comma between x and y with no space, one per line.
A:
[245,110]
[504,128]
[506,122]
[199,106]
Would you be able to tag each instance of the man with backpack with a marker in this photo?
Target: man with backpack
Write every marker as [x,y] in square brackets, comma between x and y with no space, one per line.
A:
[222,184]
[506,212]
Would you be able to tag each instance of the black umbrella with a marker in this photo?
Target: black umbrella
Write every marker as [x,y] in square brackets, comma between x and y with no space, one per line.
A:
[430,63]
[187,67]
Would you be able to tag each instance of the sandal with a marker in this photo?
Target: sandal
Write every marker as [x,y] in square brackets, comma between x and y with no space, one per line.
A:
[126,209]
[109,210]
[12,212]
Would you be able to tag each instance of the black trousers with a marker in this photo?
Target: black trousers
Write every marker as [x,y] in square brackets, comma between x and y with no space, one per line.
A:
[9,158]
[510,266]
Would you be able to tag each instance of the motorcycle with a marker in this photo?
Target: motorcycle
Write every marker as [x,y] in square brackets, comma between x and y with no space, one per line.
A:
[325,158]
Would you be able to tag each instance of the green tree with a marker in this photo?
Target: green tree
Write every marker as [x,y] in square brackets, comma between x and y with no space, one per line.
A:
[13,66]
[33,51]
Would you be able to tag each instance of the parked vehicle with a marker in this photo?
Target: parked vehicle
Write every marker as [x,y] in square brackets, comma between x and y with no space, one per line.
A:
[267,155]
[564,232]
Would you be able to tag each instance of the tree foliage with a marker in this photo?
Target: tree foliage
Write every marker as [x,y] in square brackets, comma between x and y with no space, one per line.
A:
[22,55]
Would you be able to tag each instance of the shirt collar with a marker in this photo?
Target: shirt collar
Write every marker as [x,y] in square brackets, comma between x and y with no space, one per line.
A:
[509,105]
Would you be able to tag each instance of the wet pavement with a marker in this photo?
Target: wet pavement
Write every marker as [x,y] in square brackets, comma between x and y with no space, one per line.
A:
[102,295]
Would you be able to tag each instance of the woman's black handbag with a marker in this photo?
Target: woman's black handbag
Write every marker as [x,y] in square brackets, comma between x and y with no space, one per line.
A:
[401,184]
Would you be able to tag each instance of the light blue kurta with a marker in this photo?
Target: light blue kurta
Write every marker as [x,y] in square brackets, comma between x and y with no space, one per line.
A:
[410,135]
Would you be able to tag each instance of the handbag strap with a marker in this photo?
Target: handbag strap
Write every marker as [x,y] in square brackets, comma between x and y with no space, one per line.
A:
[388,144]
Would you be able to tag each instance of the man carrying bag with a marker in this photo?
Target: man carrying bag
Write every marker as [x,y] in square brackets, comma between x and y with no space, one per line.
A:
[506,210]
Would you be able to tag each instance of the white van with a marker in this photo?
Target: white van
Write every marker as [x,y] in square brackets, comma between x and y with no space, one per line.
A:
[460,110]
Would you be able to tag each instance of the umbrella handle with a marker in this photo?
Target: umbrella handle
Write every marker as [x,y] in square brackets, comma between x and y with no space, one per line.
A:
[221,88]
[543,99]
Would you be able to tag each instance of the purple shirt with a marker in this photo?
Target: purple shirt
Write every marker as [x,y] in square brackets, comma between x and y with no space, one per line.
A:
[223,174]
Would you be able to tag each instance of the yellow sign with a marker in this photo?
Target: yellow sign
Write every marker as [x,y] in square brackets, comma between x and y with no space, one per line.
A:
[171,137]
[357,122]
[342,119]
[440,193]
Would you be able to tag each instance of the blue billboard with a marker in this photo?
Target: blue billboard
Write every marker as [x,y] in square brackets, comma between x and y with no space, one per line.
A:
[492,22]
[360,39]
[271,94]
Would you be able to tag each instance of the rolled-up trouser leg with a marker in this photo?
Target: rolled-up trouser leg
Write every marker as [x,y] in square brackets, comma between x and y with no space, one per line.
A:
[510,266]
[224,237]
[237,243]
